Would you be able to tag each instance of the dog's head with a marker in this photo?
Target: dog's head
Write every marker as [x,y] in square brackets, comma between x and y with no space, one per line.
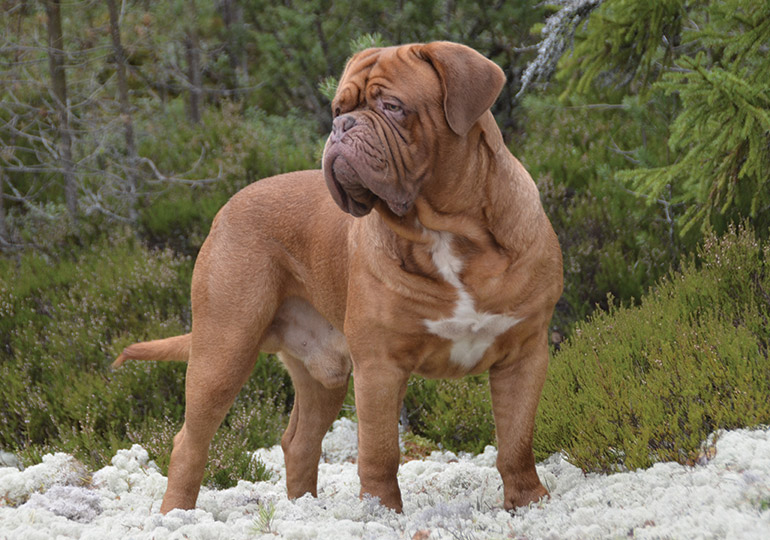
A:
[398,112]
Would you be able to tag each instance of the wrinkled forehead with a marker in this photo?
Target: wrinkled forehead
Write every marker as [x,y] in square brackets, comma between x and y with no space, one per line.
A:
[400,71]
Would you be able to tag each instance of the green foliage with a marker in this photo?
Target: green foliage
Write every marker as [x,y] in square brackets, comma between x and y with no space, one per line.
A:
[181,222]
[659,131]
[455,414]
[606,248]
[634,386]
[611,241]
[724,123]
[263,522]
[366,41]
[328,86]
[63,320]
[710,57]
[299,46]
[415,446]
[58,333]
[625,41]
[235,145]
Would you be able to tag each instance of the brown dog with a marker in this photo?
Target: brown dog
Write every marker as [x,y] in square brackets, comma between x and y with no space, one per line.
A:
[456,272]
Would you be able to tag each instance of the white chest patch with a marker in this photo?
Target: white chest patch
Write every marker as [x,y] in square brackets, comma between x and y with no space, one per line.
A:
[471,332]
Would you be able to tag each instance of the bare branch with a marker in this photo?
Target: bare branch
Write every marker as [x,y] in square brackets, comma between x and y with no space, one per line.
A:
[558,34]
[180,179]
[27,203]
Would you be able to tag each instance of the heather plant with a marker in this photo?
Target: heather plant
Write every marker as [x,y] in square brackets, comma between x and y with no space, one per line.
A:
[64,319]
[637,385]
[61,324]
[457,414]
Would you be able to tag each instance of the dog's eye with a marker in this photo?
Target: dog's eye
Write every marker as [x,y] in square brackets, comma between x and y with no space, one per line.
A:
[391,107]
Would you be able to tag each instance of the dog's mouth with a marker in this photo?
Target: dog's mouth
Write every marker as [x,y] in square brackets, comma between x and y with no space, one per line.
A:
[346,187]
[358,178]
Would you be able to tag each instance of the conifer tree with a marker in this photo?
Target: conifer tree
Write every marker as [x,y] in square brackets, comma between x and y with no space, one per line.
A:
[712,58]
[722,135]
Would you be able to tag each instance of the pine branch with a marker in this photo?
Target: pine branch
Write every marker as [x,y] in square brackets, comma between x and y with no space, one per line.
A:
[558,34]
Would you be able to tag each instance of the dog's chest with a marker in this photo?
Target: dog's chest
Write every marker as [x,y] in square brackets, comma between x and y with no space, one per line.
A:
[471,331]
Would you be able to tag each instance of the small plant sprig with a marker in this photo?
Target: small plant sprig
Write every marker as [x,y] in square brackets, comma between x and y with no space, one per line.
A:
[328,86]
[263,523]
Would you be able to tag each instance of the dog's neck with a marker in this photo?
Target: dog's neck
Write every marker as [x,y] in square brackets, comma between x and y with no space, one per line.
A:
[462,201]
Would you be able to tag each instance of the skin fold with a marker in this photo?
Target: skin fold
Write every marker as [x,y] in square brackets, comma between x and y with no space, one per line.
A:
[420,247]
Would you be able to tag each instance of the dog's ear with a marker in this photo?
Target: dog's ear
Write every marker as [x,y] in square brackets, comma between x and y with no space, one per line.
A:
[470,81]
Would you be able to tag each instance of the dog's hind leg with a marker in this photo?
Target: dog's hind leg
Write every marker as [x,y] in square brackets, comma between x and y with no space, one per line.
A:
[315,408]
[221,360]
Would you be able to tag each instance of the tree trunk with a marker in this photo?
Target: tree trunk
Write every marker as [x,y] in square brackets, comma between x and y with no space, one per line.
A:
[3,227]
[59,88]
[22,12]
[193,55]
[232,15]
[125,108]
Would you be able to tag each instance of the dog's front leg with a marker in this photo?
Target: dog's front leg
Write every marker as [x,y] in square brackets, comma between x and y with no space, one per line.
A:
[380,387]
[515,387]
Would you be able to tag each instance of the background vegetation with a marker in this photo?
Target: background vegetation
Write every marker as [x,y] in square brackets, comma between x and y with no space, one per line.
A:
[125,126]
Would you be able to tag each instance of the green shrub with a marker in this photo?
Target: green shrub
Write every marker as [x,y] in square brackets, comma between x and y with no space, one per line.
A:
[457,414]
[63,321]
[612,241]
[602,252]
[62,324]
[638,385]
[183,220]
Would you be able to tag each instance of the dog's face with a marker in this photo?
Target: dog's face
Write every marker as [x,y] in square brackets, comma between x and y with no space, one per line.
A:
[397,111]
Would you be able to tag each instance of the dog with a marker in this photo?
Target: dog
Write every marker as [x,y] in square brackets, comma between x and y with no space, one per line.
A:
[432,256]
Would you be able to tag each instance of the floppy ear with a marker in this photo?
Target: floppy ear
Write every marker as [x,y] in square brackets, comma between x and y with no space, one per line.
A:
[470,81]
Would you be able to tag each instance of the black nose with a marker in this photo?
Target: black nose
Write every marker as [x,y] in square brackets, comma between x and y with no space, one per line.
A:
[341,125]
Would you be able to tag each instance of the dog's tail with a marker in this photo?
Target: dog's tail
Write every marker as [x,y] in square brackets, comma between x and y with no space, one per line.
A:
[173,349]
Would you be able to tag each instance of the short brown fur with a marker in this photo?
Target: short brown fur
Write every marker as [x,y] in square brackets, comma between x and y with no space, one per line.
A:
[439,221]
